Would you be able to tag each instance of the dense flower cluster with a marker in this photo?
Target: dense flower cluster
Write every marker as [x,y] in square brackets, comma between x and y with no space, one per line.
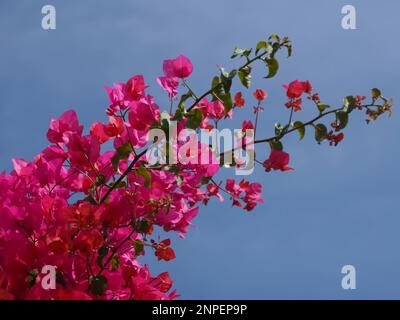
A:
[90,203]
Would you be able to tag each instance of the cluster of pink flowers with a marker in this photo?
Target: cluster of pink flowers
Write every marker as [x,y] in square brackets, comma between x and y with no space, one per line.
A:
[90,203]
[41,223]
[294,91]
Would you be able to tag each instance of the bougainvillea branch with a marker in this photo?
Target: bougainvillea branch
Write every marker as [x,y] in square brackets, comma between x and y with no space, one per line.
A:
[90,205]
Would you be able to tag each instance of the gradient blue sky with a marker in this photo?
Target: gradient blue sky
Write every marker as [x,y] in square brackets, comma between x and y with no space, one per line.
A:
[340,206]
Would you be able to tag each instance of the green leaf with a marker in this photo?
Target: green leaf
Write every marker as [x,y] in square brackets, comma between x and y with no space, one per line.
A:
[143,172]
[289,50]
[98,285]
[343,118]
[227,101]
[273,66]
[300,128]
[184,97]
[194,117]
[114,264]
[218,87]
[205,180]
[226,79]
[245,76]
[31,277]
[322,107]
[247,52]
[91,199]
[122,153]
[376,93]
[261,45]
[141,226]
[274,37]
[321,132]
[349,103]
[101,254]
[276,145]
[237,52]
[138,246]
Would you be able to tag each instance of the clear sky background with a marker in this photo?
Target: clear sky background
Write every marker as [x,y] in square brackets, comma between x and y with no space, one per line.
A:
[340,206]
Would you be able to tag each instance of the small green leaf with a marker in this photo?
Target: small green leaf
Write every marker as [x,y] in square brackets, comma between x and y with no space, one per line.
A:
[91,199]
[138,246]
[321,132]
[289,50]
[274,37]
[226,79]
[31,277]
[322,107]
[247,52]
[98,285]
[114,264]
[101,254]
[245,76]
[273,66]
[300,128]
[122,153]
[143,172]
[237,52]
[227,101]
[343,118]
[276,145]
[349,103]
[195,116]
[376,93]
[261,45]
[141,226]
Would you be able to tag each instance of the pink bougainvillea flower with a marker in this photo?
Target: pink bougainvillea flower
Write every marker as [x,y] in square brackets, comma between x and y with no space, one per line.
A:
[278,160]
[249,193]
[239,101]
[134,88]
[334,139]
[216,110]
[247,125]
[295,89]
[67,123]
[212,109]
[180,67]
[143,113]
[295,104]
[307,86]
[169,84]
[97,130]
[116,93]
[115,127]
[260,94]
[164,251]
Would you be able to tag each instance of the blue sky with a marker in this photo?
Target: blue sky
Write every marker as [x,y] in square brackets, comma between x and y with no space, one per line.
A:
[340,206]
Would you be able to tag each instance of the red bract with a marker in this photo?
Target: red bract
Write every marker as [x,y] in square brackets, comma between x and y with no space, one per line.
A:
[169,84]
[334,139]
[296,88]
[239,101]
[143,113]
[68,123]
[278,160]
[164,251]
[180,67]
[260,94]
